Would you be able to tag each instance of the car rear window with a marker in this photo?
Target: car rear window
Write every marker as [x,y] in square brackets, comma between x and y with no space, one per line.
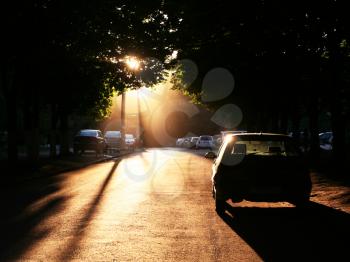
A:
[263,145]
[87,133]
[207,138]
[113,134]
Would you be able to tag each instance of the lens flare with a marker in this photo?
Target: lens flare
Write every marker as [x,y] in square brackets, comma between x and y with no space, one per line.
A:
[133,63]
[228,138]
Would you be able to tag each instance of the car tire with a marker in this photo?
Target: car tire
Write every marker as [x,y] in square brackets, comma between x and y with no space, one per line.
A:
[301,202]
[219,205]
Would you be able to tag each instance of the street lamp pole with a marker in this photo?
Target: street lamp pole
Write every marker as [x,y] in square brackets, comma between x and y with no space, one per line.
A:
[133,64]
[140,128]
[123,121]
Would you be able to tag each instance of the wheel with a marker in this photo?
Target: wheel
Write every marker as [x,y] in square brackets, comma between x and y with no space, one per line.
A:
[301,202]
[219,205]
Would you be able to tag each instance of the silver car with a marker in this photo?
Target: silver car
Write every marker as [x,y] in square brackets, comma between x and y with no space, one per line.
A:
[113,139]
[205,142]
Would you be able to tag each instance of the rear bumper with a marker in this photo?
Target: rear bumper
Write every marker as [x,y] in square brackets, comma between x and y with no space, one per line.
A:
[113,145]
[203,146]
[268,193]
[88,146]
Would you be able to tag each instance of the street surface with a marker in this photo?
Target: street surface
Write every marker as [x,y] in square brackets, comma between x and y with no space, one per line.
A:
[156,205]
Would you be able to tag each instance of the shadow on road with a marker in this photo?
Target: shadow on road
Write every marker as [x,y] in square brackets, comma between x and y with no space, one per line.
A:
[18,219]
[318,233]
[21,214]
[83,223]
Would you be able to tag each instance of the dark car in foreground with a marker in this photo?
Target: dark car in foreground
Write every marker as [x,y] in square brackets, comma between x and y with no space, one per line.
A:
[260,167]
[89,140]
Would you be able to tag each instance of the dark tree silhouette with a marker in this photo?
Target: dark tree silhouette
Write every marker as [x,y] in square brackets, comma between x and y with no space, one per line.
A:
[289,59]
[65,55]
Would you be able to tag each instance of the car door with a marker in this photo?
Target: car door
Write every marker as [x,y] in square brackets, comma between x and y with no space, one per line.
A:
[101,139]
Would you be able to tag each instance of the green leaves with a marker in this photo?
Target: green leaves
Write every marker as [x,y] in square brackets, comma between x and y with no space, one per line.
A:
[68,47]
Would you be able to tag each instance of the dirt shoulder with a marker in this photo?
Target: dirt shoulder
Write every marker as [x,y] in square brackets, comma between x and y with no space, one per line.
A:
[331,191]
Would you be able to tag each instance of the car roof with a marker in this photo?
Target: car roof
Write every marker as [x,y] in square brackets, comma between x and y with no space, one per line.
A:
[259,134]
[113,131]
[233,132]
[89,130]
[327,132]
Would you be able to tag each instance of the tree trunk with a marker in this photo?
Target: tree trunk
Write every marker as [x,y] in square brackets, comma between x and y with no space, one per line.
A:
[337,117]
[274,120]
[283,122]
[336,64]
[123,127]
[314,130]
[31,120]
[53,131]
[10,94]
[64,148]
[11,109]
[339,133]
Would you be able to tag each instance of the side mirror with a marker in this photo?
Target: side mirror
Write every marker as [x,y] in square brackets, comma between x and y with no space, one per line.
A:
[210,154]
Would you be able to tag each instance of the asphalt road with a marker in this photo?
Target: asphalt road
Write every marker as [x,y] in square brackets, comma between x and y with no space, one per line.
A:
[156,205]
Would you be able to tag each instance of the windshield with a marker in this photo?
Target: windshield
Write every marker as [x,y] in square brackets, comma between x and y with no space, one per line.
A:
[87,133]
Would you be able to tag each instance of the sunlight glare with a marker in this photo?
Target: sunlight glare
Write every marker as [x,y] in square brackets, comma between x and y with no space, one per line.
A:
[228,138]
[132,62]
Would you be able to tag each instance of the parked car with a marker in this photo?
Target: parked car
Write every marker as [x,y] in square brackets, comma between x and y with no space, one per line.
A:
[113,139]
[130,141]
[205,142]
[326,140]
[186,142]
[217,140]
[260,167]
[89,139]
[193,141]
[302,139]
[179,142]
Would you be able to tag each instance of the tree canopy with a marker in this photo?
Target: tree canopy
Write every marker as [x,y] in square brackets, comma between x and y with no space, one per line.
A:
[287,58]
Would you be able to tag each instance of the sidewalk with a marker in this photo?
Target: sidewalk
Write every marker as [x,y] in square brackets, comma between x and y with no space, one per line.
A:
[46,167]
